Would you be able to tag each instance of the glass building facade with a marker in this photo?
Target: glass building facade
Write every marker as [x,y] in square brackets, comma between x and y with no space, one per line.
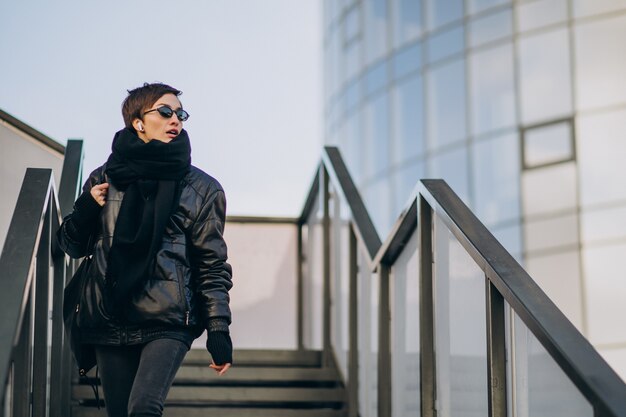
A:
[520,106]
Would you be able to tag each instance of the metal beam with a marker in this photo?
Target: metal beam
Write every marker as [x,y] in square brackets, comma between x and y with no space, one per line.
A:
[384,345]
[496,351]
[326,320]
[427,326]
[41,358]
[17,258]
[571,351]
[353,319]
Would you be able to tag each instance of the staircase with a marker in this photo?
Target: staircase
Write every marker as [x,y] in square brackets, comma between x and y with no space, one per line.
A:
[263,383]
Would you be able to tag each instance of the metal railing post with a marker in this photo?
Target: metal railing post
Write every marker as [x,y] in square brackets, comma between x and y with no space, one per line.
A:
[41,359]
[300,288]
[384,344]
[22,362]
[496,351]
[353,358]
[59,404]
[326,321]
[427,324]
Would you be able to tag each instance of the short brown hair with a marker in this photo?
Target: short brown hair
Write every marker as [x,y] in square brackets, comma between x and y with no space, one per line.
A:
[142,98]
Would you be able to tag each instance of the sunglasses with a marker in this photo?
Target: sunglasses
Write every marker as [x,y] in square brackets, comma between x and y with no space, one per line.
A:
[167,112]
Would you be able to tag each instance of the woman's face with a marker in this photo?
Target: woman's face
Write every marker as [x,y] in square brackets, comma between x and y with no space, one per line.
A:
[155,126]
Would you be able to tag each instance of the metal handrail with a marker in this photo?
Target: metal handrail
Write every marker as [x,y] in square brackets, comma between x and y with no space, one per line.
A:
[333,164]
[582,364]
[26,280]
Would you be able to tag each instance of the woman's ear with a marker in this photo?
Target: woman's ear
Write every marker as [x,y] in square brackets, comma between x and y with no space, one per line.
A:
[138,125]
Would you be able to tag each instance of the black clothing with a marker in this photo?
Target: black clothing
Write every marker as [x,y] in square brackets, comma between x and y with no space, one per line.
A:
[187,288]
[220,346]
[149,174]
[136,379]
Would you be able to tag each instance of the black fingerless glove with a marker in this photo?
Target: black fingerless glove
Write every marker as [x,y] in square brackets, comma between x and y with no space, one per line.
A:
[84,217]
[220,347]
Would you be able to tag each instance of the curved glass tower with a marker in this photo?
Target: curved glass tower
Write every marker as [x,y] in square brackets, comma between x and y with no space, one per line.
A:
[520,106]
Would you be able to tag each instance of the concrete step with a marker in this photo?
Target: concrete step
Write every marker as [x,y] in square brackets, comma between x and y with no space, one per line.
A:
[252,376]
[262,376]
[261,357]
[223,412]
[239,396]
[262,383]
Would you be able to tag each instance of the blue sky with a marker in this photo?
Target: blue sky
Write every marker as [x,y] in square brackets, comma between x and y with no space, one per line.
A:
[250,72]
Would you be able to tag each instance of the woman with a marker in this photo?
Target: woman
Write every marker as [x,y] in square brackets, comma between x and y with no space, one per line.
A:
[158,276]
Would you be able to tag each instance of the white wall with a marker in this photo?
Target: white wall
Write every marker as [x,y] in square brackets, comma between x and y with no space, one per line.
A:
[18,151]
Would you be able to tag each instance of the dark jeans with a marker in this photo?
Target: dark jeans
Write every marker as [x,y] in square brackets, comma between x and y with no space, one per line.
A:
[136,378]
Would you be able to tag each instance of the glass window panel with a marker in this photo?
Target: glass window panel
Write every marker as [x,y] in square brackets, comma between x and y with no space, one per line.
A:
[377,135]
[378,200]
[407,60]
[605,288]
[408,112]
[404,182]
[376,77]
[496,176]
[551,233]
[445,44]
[331,65]
[368,301]
[475,6]
[446,104]
[352,61]
[328,12]
[600,63]
[407,20]
[589,7]
[354,146]
[405,320]
[352,95]
[541,387]
[550,189]
[460,333]
[554,273]
[340,283]
[540,13]
[601,154]
[375,29]
[312,303]
[452,167]
[545,76]
[491,28]
[441,12]
[510,236]
[548,144]
[493,89]
[605,224]
[341,105]
[352,24]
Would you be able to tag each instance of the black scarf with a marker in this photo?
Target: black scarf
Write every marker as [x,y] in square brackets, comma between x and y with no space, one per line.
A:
[150,175]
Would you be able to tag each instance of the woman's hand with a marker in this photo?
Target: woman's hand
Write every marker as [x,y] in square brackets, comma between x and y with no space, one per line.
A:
[99,193]
[220,369]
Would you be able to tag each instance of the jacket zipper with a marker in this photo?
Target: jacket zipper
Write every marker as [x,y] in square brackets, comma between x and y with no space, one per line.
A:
[181,285]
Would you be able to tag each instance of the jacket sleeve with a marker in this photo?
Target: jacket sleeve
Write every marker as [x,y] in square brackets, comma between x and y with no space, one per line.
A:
[212,274]
[81,223]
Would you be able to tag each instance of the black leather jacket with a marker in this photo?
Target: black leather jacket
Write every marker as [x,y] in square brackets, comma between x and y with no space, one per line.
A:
[188,291]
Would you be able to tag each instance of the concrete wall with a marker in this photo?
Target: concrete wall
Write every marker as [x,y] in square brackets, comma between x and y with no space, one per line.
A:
[19,151]
[263,297]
